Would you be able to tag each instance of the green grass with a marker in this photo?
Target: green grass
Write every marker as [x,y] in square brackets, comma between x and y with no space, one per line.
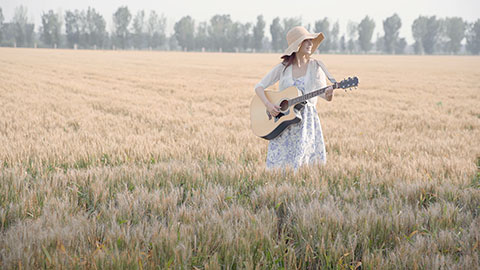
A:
[139,217]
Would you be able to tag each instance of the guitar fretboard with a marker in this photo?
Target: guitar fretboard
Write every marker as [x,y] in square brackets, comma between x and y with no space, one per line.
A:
[347,83]
[310,95]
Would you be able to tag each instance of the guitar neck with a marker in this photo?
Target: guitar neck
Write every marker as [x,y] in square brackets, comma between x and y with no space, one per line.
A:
[303,98]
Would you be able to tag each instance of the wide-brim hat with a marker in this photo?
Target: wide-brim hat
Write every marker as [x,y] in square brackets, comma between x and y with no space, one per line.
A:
[297,35]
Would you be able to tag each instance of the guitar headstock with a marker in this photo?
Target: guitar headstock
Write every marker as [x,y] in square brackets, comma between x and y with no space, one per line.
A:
[348,83]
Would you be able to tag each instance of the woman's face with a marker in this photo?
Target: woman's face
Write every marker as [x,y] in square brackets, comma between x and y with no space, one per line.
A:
[306,47]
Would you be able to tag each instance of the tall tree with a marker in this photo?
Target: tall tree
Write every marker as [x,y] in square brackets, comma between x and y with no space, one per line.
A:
[473,37]
[184,33]
[1,25]
[234,37]
[51,28]
[365,32]
[352,31]
[156,30]
[324,27]
[419,30]
[138,29]
[24,30]
[276,32]
[220,32]
[201,36]
[247,36]
[74,21]
[258,33]
[94,28]
[455,33]
[343,45]
[391,27]
[334,36]
[121,20]
[426,33]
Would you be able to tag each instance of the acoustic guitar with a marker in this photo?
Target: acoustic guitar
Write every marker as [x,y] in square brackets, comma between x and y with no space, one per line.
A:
[291,101]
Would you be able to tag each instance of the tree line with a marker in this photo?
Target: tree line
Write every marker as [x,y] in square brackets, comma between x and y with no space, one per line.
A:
[86,29]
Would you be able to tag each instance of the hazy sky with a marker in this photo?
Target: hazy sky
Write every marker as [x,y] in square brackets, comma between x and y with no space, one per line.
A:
[247,10]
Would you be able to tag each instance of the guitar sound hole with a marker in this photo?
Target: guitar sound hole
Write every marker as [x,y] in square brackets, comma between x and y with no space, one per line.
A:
[284,105]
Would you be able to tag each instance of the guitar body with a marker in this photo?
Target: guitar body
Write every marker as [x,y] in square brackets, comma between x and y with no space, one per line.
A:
[268,127]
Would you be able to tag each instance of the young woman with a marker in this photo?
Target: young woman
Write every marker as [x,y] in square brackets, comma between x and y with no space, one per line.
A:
[300,143]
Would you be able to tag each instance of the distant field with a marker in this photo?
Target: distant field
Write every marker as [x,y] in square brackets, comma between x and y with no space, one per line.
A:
[140,160]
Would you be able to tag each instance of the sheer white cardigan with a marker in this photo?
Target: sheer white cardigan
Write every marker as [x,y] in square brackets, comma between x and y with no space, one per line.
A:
[314,79]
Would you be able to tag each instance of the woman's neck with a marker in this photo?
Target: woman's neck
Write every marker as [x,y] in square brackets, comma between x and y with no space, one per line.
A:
[301,59]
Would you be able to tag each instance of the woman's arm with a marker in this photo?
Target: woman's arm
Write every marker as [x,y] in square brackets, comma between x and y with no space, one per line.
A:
[272,77]
[272,108]
[328,95]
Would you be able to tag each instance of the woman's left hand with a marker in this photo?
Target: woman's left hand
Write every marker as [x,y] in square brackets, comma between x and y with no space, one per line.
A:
[329,94]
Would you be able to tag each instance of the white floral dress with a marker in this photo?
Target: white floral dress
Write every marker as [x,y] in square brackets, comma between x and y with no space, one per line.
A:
[301,143]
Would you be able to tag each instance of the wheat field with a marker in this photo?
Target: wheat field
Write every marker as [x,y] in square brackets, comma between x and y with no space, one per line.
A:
[145,160]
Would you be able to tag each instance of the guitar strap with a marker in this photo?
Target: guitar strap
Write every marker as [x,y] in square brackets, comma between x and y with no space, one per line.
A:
[325,70]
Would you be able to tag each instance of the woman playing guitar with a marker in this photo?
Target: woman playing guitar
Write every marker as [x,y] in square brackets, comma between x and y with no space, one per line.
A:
[300,143]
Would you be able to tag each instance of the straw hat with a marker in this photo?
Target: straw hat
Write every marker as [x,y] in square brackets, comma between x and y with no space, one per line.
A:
[297,35]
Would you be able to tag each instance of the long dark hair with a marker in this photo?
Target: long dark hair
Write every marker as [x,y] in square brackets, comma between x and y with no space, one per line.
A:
[288,60]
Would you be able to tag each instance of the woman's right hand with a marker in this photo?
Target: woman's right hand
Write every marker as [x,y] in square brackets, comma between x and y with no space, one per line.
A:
[273,109]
